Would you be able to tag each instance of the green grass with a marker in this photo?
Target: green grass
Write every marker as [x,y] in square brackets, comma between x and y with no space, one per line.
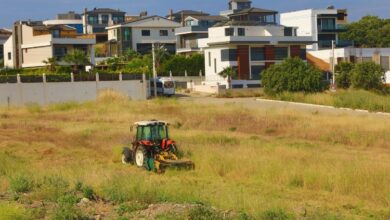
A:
[275,164]
[355,99]
[12,211]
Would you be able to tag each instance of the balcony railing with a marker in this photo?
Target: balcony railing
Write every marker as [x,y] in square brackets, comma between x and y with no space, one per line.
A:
[332,28]
[339,43]
[190,29]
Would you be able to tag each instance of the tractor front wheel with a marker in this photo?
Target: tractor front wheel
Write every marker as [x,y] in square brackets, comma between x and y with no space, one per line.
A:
[140,156]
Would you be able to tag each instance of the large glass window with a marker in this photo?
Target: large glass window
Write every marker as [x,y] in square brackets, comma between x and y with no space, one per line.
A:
[302,54]
[257,53]
[60,52]
[256,72]
[104,19]
[327,23]
[145,32]
[229,31]
[281,53]
[56,33]
[127,34]
[163,33]
[241,31]
[117,19]
[93,19]
[229,55]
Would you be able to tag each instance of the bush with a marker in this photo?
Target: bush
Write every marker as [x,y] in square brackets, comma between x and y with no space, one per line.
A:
[204,213]
[21,184]
[368,76]
[178,64]
[292,75]
[88,193]
[276,214]
[343,75]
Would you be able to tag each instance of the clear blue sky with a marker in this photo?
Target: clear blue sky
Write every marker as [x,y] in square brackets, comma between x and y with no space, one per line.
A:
[12,10]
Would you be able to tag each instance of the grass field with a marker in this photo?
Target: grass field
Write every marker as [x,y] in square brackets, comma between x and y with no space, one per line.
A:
[261,164]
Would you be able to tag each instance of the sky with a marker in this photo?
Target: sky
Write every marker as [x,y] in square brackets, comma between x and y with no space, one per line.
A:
[13,10]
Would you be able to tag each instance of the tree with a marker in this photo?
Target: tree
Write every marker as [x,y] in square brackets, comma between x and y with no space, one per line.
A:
[1,63]
[370,31]
[129,55]
[51,64]
[367,75]
[229,73]
[293,75]
[161,53]
[343,75]
[76,58]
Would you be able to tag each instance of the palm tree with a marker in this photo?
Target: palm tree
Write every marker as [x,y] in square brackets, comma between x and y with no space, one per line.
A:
[51,64]
[76,58]
[229,73]
[161,52]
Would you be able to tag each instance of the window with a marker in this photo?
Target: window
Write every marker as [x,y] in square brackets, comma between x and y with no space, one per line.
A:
[385,62]
[256,72]
[104,19]
[288,31]
[257,53]
[241,31]
[92,20]
[163,33]
[229,55]
[145,32]
[229,31]
[99,30]
[56,33]
[302,54]
[116,19]
[209,58]
[60,52]
[144,48]
[327,23]
[127,34]
[9,56]
[281,53]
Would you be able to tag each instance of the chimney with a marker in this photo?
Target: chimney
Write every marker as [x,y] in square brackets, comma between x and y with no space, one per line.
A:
[171,14]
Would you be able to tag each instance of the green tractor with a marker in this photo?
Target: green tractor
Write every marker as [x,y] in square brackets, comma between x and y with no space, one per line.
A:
[153,149]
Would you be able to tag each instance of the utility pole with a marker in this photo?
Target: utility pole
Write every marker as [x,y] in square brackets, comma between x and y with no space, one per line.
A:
[154,69]
[333,66]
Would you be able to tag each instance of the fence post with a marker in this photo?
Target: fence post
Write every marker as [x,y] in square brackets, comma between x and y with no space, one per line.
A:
[145,90]
[18,78]
[120,76]
[200,74]
[44,89]
[170,73]
[44,78]
[185,73]
[71,77]
[97,77]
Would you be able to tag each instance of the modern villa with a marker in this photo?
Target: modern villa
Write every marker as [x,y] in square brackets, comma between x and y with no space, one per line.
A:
[250,41]
[4,35]
[139,35]
[34,42]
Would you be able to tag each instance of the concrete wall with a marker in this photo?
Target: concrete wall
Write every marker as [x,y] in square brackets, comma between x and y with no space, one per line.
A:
[47,93]
[8,48]
[387,78]
[33,57]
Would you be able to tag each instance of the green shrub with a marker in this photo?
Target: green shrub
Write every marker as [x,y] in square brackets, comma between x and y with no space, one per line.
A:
[292,75]
[52,188]
[204,213]
[88,193]
[21,183]
[66,211]
[368,76]
[343,75]
[276,214]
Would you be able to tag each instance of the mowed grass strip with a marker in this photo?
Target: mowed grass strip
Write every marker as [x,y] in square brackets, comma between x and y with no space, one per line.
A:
[260,162]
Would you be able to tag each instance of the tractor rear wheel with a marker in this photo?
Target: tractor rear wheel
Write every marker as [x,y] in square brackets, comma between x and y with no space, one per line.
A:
[140,156]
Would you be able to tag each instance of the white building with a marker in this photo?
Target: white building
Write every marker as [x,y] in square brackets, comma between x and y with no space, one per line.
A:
[4,35]
[250,41]
[33,42]
[322,25]
[139,34]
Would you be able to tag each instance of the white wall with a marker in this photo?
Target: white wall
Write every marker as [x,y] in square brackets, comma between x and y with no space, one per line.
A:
[33,57]
[250,31]
[387,77]
[8,48]
[154,35]
[47,93]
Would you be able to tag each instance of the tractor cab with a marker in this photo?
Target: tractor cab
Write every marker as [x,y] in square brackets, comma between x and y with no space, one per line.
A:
[153,131]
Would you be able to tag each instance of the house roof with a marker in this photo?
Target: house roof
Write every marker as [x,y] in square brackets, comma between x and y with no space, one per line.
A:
[52,27]
[253,10]
[105,10]
[141,19]
[188,12]
[5,32]
[209,17]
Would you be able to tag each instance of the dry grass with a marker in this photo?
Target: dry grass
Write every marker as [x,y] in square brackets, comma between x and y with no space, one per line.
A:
[255,161]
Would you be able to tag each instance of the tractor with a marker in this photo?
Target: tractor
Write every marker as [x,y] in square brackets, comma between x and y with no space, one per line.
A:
[152,148]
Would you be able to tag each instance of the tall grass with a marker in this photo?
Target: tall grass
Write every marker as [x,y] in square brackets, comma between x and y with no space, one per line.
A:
[274,163]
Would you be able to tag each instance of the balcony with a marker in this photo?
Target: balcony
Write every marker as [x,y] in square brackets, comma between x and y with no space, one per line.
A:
[339,43]
[191,29]
[332,28]
[189,46]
